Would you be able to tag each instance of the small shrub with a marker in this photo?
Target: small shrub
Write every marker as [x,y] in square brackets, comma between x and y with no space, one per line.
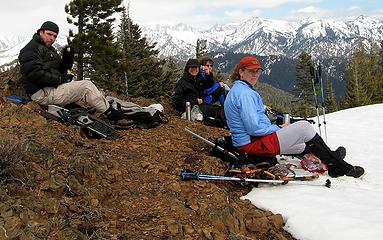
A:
[12,155]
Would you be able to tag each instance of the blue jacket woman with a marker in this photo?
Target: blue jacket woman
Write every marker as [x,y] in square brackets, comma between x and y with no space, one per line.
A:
[253,133]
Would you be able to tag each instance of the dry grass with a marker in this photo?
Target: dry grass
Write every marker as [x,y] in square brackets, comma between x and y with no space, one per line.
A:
[12,159]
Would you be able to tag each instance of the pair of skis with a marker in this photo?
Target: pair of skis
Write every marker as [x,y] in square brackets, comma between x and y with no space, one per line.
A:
[300,180]
[243,176]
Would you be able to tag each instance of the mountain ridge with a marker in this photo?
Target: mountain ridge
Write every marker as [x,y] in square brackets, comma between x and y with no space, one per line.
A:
[329,41]
[271,37]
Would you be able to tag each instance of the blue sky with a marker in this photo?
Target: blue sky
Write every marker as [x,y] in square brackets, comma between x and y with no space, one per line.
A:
[27,16]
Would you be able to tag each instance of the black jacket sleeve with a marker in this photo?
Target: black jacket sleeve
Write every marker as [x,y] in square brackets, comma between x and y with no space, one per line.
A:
[186,91]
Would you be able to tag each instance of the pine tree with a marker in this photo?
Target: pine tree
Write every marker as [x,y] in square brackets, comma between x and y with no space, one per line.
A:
[201,46]
[144,72]
[303,84]
[357,74]
[171,73]
[330,99]
[97,53]
[377,74]
[218,76]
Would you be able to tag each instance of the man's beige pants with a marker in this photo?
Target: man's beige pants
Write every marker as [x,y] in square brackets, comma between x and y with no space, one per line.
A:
[72,92]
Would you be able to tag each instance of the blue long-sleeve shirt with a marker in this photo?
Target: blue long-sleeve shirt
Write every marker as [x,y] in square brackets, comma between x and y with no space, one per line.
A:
[245,114]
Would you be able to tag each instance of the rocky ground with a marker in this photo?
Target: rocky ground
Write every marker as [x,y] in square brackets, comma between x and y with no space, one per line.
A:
[57,184]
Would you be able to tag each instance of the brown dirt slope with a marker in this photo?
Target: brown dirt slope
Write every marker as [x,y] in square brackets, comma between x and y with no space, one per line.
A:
[57,184]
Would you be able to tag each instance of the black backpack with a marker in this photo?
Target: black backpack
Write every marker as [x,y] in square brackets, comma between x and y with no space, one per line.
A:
[143,117]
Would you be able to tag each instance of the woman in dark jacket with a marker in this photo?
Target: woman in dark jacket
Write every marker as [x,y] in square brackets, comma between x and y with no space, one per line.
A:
[190,89]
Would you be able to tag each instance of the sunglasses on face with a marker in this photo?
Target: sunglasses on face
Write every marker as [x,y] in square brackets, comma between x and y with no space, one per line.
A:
[255,72]
[209,65]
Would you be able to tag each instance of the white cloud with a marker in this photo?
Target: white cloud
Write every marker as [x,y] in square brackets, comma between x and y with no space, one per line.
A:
[240,15]
[306,10]
[354,8]
[200,12]
[24,17]
[251,3]
[347,13]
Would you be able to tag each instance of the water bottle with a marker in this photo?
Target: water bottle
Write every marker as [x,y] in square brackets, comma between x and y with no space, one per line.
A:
[188,111]
[286,118]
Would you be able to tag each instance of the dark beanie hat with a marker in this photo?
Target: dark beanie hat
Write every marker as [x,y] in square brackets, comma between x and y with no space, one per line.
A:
[192,63]
[48,25]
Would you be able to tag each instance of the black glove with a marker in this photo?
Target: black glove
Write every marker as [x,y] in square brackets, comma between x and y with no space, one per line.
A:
[68,58]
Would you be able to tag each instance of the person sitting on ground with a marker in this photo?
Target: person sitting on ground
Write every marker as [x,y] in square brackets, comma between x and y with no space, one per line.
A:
[190,89]
[215,91]
[47,81]
[253,133]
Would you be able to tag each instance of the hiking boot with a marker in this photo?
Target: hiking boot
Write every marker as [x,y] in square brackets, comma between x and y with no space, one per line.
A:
[123,123]
[333,159]
[114,115]
[355,172]
[117,118]
[341,151]
[335,172]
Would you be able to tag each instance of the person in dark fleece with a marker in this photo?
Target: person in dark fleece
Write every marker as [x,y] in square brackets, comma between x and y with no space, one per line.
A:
[46,78]
[253,133]
[190,88]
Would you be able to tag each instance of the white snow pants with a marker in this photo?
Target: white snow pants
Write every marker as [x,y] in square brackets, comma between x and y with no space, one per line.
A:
[72,92]
[293,137]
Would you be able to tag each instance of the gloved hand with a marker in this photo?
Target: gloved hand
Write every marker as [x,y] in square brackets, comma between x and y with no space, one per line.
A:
[67,57]
[68,52]
[66,77]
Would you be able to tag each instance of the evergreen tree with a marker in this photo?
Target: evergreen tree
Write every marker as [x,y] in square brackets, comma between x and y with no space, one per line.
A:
[144,73]
[370,80]
[330,98]
[171,73]
[219,77]
[377,74]
[303,84]
[201,46]
[97,53]
[357,74]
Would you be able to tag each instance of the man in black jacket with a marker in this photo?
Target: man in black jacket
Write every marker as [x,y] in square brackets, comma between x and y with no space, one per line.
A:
[46,78]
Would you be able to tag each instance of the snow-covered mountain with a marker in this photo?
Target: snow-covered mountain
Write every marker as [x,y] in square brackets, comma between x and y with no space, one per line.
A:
[321,38]
[11,46]
[264,37]
[278,43]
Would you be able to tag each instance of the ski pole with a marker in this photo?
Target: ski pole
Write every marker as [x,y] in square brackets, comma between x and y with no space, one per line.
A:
[323,101]
[313,77]
[189,175]
[213,144]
